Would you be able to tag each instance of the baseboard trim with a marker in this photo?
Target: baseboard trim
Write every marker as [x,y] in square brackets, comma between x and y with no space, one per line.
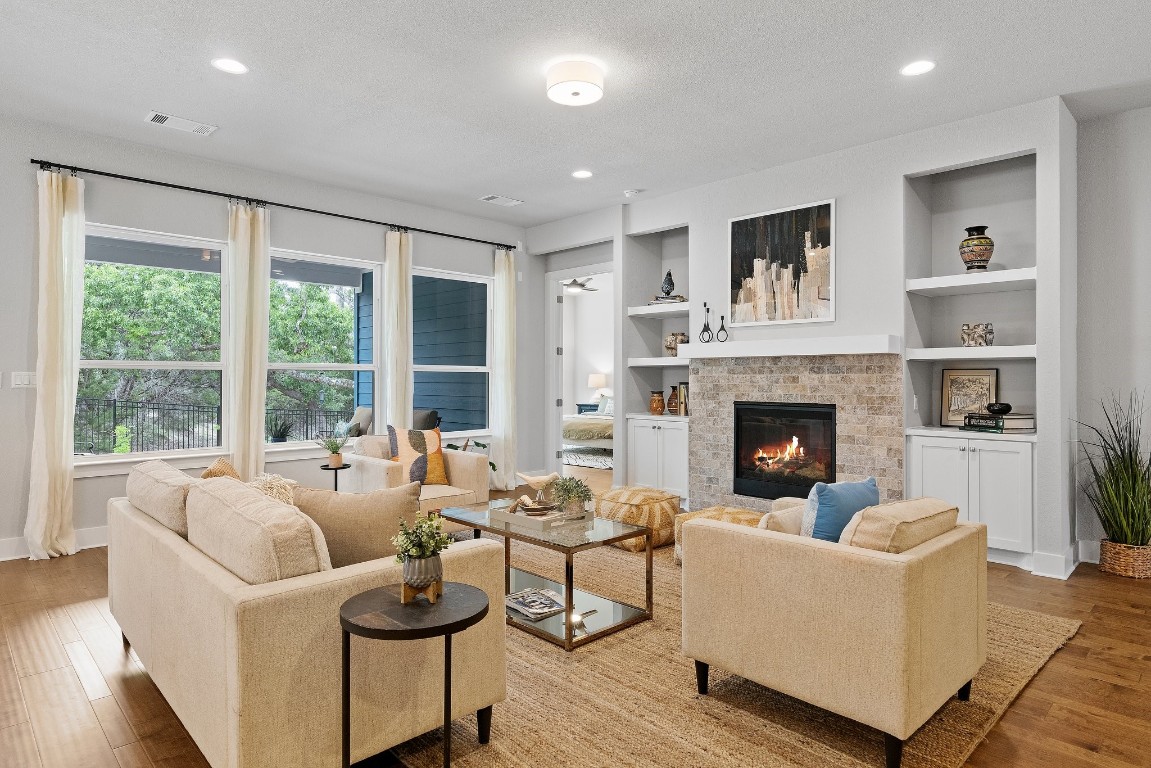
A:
[1021,560]
[86,538]
[1055,566]
[533,472]
[1089,551]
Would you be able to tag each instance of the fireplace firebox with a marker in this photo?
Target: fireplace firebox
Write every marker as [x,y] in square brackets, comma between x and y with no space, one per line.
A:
[783,449]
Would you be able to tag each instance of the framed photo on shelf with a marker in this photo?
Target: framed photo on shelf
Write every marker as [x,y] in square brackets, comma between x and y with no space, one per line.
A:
[783,266]
[966,390]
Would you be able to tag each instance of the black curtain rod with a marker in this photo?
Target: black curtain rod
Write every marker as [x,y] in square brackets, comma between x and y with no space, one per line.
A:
[46,165]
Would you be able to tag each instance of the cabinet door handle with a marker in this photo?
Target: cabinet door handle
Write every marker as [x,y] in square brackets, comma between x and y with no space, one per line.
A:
[962,449]
[653,426]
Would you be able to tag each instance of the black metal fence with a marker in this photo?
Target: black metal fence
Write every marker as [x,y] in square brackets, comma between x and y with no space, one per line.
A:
[118,426]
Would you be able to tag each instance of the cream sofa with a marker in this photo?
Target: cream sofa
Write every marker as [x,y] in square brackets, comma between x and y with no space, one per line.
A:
[884,639]
[253,670]
[372,469]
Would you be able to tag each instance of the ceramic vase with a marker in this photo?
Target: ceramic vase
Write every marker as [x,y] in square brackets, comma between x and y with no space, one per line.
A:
[655,403]
[421,572]
[673,400]
[977,248]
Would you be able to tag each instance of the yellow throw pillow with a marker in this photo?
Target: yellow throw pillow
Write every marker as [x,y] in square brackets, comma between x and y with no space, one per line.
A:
[421,453]
[221,467]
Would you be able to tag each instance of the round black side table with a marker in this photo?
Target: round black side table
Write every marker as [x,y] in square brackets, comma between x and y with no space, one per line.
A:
[378,614]
[335,473]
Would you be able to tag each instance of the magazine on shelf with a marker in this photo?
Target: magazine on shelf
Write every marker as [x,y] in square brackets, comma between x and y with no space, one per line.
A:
[535,604]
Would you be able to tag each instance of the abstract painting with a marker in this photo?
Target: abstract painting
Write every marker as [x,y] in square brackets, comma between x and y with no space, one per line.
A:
[966,390]
[783,266]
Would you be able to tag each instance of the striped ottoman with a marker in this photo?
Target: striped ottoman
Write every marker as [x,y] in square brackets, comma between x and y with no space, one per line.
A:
[648,507]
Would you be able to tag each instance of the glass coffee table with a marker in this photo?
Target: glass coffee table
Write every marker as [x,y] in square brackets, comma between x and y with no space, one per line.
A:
[587,616]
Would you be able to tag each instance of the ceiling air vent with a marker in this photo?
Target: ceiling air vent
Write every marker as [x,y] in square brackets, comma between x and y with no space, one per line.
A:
[506,202]
[181,124]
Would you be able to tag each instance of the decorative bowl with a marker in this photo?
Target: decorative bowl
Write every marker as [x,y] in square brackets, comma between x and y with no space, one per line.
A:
[999,409]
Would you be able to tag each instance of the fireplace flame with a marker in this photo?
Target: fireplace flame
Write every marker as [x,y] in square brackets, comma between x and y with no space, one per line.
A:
[791,451]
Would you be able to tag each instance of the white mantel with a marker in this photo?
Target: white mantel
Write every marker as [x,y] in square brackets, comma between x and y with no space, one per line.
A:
[817,345]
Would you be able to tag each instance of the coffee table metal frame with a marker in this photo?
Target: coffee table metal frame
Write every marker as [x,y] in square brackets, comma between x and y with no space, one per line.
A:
[468,517]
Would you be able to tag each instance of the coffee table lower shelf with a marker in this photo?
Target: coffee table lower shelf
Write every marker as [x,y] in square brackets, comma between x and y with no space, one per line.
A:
[610,615]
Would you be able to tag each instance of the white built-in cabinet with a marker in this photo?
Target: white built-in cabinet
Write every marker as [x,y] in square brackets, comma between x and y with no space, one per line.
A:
[990,481]
[657,453]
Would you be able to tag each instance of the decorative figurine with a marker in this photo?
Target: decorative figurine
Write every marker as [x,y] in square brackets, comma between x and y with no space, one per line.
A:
[672,341]
[977,335]
[721,334]
[668,284]
[706,335]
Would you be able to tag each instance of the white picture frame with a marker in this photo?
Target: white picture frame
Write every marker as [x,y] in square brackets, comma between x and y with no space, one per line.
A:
[759,293]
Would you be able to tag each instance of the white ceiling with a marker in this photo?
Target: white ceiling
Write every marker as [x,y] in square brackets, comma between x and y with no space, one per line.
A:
[441,102]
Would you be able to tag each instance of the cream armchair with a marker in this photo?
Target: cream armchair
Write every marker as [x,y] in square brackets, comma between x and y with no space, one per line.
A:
[372,469]
[884,639]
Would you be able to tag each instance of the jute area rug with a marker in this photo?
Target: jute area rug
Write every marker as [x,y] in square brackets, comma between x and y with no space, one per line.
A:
[629,699]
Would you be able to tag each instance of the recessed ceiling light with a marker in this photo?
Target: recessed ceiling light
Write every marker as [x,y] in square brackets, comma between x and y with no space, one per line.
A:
[581,174]
[575,83]
[921,67]
[231,66]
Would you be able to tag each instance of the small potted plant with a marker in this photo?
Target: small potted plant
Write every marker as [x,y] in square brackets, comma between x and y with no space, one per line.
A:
[418,547]
[572,495]
[334,445]
[279,429]
[1119,488]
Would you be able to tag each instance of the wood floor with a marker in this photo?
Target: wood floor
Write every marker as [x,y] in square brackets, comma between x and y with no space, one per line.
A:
[72,697]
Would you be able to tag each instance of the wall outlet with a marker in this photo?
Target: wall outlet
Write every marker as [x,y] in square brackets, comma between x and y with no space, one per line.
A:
[23,380]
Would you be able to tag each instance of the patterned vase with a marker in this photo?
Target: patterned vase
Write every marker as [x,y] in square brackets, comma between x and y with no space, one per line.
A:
[420,572]
[668,284]
[977,248]
[673,400]
[655,404]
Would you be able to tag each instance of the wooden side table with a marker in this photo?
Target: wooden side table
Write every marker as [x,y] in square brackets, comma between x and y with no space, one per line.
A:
[378,614]
[335,473]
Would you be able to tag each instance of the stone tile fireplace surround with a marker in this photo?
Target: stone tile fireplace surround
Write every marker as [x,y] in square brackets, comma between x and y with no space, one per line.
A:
[867,390]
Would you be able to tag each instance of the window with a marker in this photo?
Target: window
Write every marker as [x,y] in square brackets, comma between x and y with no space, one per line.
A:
[321,344]
[151,376]
[451,347]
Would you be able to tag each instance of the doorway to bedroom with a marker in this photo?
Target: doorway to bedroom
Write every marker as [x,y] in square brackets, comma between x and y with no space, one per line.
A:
[585,416]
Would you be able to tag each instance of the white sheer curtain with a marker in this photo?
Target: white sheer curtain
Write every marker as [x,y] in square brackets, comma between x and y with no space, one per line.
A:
[49,530]
[397,303]
[249,274]
[503,388]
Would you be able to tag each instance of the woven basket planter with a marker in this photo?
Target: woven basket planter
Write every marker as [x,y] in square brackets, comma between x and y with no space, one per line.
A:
[1125,560]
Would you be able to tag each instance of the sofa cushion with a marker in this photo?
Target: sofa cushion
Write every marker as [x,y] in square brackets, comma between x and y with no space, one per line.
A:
[789,519]
[221,467]
[837,503]
[900,525]
[359,526]
[421,454]
[160,491]
[374,446]
[252,535]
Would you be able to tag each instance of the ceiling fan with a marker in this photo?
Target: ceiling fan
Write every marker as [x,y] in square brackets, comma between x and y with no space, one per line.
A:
[578,286]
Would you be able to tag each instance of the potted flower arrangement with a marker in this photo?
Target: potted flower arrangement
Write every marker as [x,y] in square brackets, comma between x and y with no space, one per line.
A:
[334,445]
[572,495]
[418,547]
[1119,488]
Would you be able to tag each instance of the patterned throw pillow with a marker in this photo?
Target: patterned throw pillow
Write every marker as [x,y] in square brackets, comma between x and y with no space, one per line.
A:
[278,487]
[421,453]
[221,467]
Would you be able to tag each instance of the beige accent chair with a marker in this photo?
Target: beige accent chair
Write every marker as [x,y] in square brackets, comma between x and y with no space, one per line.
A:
[884,639]
[373,469]
[253,671]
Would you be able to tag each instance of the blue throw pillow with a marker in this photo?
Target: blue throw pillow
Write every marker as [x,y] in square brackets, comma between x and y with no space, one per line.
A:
[837,503]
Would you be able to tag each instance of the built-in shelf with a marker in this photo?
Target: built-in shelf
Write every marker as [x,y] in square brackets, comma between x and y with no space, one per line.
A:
[659,311]
[1018,437]
[664,417]
[658,362]
[1015,352]
[999,281]
[817,345]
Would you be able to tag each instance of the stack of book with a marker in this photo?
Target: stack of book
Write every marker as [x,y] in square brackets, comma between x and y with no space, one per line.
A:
[535,604]
[989,422]
[677,299]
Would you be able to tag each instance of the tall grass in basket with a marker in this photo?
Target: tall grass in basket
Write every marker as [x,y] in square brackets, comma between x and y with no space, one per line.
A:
[1120,481]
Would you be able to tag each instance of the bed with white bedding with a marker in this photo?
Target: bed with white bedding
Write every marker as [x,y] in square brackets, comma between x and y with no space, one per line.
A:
[589,430]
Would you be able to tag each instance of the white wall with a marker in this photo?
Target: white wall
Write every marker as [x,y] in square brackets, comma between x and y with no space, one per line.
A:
[123,203]
[1114,269]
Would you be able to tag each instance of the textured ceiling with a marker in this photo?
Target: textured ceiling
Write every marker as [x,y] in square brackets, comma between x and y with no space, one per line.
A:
[439,102]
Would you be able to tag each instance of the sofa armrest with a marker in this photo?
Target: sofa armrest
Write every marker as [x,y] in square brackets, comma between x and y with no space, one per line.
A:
[286,660]
[469,471]
[368,474]
[836,626]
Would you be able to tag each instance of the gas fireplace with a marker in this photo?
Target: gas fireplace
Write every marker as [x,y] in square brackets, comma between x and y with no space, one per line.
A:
[782,449]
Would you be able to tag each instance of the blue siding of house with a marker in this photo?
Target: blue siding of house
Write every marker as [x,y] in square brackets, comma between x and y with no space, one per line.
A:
[364,331]
[450,327]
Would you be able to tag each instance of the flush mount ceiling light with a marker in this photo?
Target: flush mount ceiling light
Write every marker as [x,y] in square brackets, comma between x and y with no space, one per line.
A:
[921,67]
[575,83]
[581,174]
[231,66]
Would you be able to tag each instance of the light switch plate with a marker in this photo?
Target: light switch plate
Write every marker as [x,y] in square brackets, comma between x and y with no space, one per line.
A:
[23,380]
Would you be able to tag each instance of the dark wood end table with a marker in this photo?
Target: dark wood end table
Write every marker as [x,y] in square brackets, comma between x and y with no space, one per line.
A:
[378,614]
